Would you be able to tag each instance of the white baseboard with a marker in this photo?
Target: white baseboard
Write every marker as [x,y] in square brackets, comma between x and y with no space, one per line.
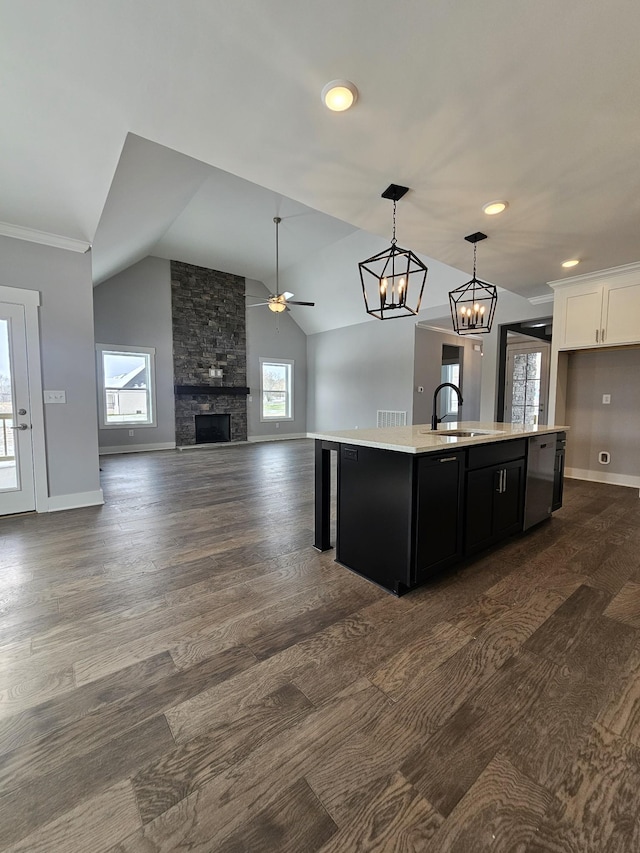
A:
[278,437]
[630,480]
[75,501]
[136,448]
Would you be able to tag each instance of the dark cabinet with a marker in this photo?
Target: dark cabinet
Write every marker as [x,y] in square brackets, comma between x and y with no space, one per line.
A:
[374,509]
[494,494]
[399,516]
[439,512]
[403,517]
[558,471]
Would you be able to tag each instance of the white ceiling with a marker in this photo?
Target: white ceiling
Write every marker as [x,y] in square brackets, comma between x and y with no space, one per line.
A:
[463,102]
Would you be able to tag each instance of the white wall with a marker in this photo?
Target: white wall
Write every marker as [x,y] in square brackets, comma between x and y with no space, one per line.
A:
[133,308]
[63,279]
[275,336]
[427,373]
[356,370]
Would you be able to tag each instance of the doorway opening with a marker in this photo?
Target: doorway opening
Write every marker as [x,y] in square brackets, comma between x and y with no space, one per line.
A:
[523,372]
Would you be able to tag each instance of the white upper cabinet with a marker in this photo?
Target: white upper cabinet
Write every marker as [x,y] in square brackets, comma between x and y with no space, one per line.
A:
[597,309]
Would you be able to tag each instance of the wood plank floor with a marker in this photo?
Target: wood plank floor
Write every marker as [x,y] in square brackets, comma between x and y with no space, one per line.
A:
[181,671]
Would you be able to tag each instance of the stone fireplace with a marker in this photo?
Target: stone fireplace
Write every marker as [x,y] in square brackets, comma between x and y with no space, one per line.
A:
[208,310]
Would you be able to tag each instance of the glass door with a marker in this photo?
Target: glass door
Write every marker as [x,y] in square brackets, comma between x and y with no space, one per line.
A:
[17,492]
[527,388]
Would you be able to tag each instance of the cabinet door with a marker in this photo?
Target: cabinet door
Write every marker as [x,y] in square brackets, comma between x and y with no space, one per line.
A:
[582,318]
[508,502]
[481,487]
[494,504]
[621,320]
[438,512]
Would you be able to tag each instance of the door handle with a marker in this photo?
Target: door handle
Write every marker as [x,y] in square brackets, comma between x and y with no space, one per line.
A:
[20,426]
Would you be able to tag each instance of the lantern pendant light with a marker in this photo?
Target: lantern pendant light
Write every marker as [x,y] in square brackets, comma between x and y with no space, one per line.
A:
[393,280]
[473,304]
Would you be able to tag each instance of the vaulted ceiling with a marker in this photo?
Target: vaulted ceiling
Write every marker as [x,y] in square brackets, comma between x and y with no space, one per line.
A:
[183,128]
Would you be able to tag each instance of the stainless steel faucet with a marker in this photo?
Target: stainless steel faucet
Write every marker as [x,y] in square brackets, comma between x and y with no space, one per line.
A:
[435,420]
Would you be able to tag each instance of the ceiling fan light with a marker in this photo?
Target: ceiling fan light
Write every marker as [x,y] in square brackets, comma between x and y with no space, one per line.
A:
[277,307]
[339,95]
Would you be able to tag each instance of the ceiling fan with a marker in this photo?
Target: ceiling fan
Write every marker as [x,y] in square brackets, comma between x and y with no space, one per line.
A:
[277,301]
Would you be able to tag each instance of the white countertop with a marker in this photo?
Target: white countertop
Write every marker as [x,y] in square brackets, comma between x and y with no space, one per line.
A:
[421,439]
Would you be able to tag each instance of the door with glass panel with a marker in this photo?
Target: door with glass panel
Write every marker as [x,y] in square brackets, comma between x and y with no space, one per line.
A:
[17,493]
[527,383]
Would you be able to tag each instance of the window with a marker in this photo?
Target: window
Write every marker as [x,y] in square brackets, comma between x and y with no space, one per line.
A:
[126,384]
[276,389]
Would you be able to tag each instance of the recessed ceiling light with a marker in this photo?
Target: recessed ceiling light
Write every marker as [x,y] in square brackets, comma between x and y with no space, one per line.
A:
[573,262]
[339,95]
[491,208]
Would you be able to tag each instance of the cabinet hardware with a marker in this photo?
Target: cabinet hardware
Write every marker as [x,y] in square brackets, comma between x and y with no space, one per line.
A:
[602,337]
[596,336]
[504,480]
[499,488]
[449,459]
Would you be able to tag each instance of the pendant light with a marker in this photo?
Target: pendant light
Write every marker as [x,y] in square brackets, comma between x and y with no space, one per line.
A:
[393,280]
[473,304]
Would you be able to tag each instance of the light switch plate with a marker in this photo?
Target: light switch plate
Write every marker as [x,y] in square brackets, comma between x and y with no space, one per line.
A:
[55,396]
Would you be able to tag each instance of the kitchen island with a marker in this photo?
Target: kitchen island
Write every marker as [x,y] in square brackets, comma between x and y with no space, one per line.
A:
[412,501]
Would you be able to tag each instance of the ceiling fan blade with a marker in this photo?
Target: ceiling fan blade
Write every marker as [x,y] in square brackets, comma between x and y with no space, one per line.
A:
[252,296]
[257,305]
[287,295]
[293,302]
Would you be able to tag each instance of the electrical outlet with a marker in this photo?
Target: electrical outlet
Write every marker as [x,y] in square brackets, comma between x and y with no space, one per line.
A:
[606,399]
[277,426]
[130,432]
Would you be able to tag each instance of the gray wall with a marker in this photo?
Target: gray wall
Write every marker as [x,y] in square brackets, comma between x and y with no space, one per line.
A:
[275,336]
[427,367]
[596,427]
[134,309]
[356,370]
[67,350]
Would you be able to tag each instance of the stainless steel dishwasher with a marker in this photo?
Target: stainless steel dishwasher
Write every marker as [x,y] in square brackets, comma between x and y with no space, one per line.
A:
[539,489]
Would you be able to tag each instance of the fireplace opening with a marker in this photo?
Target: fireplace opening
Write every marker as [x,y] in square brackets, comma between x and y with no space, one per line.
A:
[212,428]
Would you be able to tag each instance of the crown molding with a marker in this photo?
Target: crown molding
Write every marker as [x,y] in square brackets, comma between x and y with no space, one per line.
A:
[541,300]
[19,232]
[625,269]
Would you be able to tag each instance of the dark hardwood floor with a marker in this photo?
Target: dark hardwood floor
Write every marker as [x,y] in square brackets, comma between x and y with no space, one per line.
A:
[181,671]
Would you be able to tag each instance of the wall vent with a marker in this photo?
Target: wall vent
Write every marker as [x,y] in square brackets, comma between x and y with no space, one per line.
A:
[391,419]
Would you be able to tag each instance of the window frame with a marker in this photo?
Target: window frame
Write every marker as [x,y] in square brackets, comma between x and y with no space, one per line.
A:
[289,364]
[117,349]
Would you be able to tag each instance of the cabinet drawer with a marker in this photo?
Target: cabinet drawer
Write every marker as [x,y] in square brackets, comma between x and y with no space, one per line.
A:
[495,454]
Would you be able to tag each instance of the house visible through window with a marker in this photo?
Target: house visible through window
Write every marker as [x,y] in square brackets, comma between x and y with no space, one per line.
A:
[276,387]
[126,381]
